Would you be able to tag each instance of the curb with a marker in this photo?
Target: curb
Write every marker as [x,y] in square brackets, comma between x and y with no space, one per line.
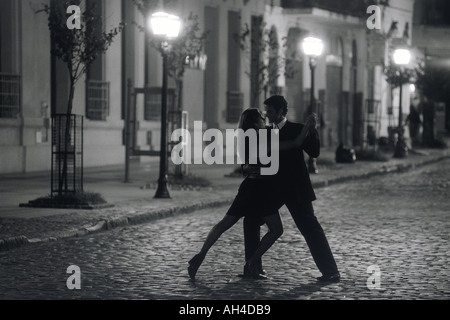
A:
[143,217]
[110,224]
[385,170]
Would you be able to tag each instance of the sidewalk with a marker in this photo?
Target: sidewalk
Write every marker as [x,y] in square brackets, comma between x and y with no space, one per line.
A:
[134,202]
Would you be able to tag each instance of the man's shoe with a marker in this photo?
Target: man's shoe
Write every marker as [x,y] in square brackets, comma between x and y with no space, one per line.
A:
[261,274]
[334,277]
[251,272]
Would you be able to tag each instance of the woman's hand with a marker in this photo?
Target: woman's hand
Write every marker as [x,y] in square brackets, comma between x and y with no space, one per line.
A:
[312,120]
[311,123]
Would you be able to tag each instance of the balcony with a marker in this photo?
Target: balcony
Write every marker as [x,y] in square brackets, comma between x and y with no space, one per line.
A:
[355,8]
[10,91]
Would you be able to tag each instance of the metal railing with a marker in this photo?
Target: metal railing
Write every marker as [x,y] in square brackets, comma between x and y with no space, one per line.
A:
[67,154]
[97,100]
[10,91]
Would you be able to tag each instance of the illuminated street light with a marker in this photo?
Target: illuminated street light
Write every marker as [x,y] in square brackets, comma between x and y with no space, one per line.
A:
[401,57]
[166,27]
[313,48]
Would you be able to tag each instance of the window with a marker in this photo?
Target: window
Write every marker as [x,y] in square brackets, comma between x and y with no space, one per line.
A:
[234,96]
[9,95]
[97,107]
[10,82]
[97,89]
[152,106]
[235,102]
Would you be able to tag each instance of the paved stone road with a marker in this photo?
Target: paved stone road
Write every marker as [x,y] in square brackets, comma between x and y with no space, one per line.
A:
[397,223]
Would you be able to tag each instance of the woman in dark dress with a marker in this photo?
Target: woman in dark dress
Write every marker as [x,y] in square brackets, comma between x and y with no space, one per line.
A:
[253,199]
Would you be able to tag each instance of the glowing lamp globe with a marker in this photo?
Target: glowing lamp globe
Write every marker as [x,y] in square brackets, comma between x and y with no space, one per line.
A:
[165,25]
[402,56]
[312,47]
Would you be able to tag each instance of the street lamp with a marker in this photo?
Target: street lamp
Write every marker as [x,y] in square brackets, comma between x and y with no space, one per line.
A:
[165,27]
[402,57]
[312,47]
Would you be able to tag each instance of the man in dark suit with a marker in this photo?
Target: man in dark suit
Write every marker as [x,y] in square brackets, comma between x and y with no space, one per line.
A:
[293,188]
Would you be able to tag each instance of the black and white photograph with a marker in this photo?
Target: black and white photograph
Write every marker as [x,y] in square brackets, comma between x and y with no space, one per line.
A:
[223,157]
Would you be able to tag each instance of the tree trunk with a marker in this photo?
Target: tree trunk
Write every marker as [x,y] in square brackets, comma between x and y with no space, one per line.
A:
[179,108]
[63,178]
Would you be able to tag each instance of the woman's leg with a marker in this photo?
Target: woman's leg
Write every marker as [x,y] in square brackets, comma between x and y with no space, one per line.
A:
[226,223]
[275,231]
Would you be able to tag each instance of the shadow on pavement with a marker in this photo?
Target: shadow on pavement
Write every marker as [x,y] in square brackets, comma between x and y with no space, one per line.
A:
[237,288]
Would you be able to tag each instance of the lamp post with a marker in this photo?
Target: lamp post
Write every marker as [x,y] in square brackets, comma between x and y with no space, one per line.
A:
[312,47]
[402,57]
[165,27]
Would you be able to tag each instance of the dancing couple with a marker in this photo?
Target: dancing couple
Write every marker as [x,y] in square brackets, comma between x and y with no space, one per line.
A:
[260,197]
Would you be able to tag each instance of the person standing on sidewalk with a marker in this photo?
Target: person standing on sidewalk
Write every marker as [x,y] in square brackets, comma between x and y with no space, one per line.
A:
[294,189]
[414,122]
[312,162]
[253,200]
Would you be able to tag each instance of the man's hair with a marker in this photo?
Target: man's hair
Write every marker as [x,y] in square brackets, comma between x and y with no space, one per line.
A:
[277,102]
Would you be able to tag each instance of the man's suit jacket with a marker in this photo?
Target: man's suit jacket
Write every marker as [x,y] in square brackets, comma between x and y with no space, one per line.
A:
[293,177]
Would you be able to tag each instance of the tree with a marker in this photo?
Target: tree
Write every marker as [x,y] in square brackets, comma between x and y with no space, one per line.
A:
[77,47]
[398,76]
[265,58]
[183,50]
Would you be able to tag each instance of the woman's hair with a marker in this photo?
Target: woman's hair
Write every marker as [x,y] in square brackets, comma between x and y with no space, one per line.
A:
[249,119]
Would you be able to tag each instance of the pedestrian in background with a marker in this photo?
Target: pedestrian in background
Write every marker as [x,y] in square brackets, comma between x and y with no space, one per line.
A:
[414,122]
[312,162]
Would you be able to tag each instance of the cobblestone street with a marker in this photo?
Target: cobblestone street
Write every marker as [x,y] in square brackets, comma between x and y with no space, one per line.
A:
[398,223]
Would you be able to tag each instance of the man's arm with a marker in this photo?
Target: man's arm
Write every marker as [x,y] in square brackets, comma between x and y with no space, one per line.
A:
[312,143]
